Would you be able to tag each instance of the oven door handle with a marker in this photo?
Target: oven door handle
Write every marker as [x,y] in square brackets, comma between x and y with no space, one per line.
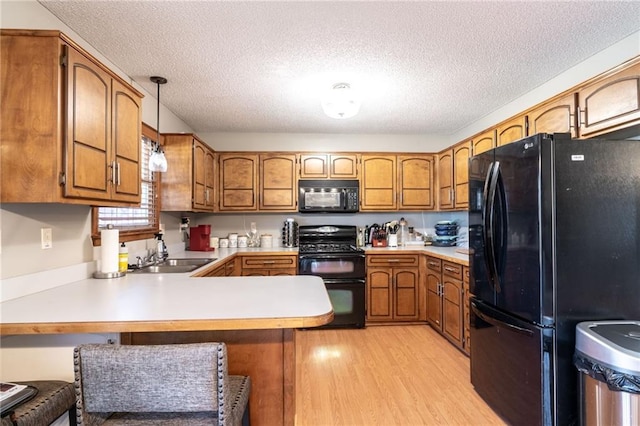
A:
[333,281]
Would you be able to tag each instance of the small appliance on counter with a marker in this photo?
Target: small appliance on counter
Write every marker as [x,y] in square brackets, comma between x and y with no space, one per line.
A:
[290,233]
[199,238]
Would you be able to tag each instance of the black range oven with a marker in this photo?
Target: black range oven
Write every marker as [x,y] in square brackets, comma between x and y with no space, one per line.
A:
[330,252]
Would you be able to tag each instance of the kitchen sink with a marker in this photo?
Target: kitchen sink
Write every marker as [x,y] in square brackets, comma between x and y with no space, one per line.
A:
[186,262]
[175,266]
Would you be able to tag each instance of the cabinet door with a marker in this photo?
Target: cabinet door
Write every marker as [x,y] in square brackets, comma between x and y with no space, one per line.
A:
[415,182]
[452,309]
[209,179]
[484,142]
[465,310]
[512,130]
[343,166]
[199,175]
[405,294]
[203,176]
[378,183]
[278,182]
[480,144]
[314,166]
[461,154]
[380,294]
[238,181]
[611,103]
[90,170]
[557,116]
[126,135]
[445,179]
[434,301]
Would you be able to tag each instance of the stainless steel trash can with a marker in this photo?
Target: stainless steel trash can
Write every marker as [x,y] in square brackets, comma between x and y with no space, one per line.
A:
[608,359]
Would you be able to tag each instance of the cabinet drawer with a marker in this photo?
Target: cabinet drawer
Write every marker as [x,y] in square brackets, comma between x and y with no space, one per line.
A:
[434,264]
[269,262]
[452,269]
[394,260]
[465,275]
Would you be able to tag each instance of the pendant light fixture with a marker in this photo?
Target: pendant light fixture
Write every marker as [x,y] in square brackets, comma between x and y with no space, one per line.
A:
[341,101]
[157,160]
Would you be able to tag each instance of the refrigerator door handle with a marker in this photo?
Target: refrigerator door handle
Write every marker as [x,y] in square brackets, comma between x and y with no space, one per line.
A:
[500,234]
[486,224]
[494,321]
[490,232]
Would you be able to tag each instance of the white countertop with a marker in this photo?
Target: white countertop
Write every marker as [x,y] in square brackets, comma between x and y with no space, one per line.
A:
[175,301]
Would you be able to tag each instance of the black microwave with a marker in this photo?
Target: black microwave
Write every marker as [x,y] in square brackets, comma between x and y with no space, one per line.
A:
[328,196]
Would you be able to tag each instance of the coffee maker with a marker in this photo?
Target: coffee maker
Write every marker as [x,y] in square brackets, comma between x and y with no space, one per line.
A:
[199,238]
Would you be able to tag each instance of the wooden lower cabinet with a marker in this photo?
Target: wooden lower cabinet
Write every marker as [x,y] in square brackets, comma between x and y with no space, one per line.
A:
[465,310]
[393,283]
[267,356]
[445,299]
[269,265]
[227,269]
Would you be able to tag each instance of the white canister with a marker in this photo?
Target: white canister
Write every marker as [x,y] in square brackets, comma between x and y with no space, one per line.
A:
[233,240]
[224,242]
[266,240]
[213,242]
[242,241]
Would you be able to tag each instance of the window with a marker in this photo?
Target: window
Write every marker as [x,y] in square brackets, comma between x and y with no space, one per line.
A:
[134,223]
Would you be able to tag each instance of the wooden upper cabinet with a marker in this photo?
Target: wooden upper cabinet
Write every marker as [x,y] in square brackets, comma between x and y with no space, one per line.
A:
[378,182]
[190,180]
[415,182]
[238,181]
[314,166]
[75,127]
[610,103]
[483,142]
[328,166]
[511,130]
[480,143]
[445,180]
[204,181]
[461,154]
[278,182]
[557,116]
[126,135]
[343,166]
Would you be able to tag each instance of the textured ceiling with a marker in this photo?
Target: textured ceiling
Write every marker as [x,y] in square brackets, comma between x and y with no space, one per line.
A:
[429,67]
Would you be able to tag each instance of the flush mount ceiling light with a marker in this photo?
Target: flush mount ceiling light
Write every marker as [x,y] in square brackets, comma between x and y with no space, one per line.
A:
[157,160]
[341,101]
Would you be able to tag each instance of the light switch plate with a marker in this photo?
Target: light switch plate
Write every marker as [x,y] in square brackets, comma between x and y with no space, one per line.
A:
[46,237]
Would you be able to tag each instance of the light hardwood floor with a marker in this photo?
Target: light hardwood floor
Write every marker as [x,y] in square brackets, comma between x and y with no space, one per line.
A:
[384,375]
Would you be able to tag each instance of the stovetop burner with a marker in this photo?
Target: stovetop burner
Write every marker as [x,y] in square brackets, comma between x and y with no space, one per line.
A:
[328,239]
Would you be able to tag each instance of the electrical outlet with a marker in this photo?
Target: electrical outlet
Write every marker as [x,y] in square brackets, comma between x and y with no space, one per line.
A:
[46,237]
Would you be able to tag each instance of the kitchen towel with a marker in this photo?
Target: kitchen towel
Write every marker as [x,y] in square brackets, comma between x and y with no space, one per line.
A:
[110,250]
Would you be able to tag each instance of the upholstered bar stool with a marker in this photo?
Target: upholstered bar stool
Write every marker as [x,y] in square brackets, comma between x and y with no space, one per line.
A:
[54,399]
[181,384]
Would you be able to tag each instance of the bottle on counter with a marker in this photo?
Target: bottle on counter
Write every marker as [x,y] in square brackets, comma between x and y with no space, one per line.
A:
[403,233]
[123,258]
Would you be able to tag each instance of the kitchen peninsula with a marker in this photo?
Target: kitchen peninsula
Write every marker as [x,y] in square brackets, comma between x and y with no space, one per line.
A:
[255,316]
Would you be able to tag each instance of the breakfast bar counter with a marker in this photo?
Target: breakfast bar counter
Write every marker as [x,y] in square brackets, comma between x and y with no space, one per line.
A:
[255,316]
[169,302]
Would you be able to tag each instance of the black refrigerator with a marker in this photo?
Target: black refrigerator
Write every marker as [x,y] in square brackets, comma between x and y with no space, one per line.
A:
[554,232]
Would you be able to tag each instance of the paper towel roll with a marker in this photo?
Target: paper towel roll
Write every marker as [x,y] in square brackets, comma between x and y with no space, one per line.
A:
[109,245]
